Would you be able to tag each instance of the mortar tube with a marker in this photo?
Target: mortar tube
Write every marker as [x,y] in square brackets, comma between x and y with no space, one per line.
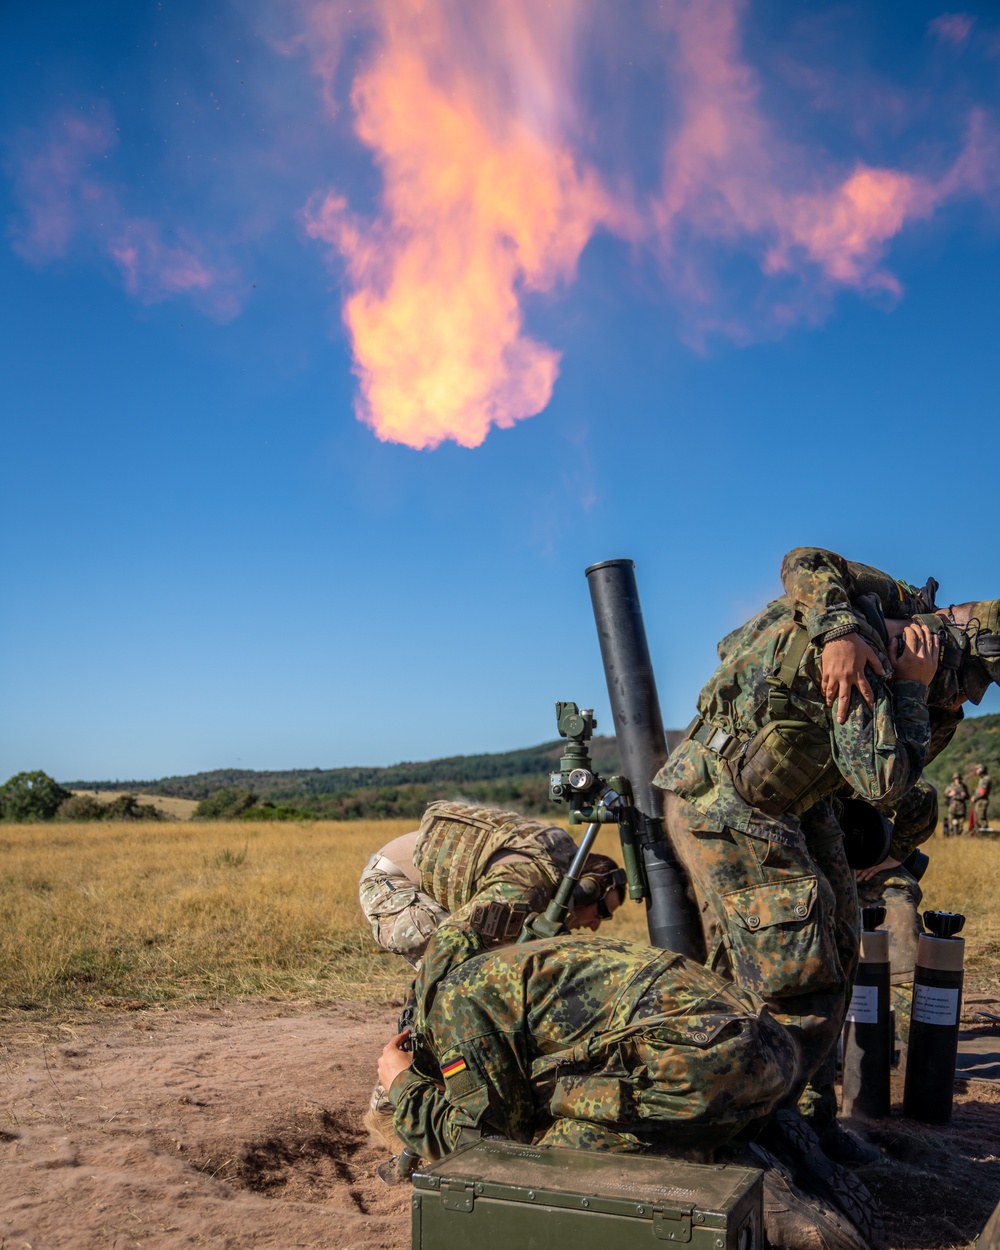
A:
[868,1035]
[670,917]
[929,1087]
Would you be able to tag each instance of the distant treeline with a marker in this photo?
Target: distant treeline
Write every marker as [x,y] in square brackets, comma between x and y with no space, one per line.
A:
[977,741]
[516,779]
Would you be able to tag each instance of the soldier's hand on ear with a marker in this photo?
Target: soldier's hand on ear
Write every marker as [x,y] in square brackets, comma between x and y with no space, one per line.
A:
[842,665]
[921,652]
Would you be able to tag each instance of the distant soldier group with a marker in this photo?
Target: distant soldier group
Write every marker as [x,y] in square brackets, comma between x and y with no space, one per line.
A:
[957,799]
[838,693]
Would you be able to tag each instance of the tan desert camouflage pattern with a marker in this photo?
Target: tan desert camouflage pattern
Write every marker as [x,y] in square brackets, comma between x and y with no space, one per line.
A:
[597,1043]
[457,842]
[455,854]
[402,917]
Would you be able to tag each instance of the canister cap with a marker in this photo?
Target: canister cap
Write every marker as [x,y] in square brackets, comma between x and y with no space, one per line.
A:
[944,924]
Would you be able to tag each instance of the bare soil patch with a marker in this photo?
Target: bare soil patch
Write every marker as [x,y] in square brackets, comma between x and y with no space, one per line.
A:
[237,1125]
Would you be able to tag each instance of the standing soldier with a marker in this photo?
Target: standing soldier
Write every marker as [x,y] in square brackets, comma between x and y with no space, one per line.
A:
[980,818]
[957,798]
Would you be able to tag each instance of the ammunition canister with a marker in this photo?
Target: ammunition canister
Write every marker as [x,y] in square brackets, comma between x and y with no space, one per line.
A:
[934,1020]
[868,1034]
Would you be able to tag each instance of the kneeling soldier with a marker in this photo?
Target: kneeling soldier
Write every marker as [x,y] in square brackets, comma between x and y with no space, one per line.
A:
[474,867]
[605,1044]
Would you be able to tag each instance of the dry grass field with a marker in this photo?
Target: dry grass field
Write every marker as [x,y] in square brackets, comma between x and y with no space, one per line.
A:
[184,912]
[172,912]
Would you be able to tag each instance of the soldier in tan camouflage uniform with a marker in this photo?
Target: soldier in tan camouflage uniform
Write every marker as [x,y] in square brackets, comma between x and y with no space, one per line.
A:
[464,856]
[957,798]
[981,800]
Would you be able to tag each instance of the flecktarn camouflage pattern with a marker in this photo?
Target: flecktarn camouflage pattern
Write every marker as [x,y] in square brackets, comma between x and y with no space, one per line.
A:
[599,1044]
[776,888]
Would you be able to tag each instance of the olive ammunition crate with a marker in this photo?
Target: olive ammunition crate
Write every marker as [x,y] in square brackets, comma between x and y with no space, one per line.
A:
[500,1195]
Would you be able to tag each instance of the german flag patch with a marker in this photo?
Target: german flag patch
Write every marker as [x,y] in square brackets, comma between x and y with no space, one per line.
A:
[453,1068]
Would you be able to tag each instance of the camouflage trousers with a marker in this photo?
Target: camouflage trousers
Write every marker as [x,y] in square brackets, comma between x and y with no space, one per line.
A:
[401,916]
[981,811]
[783,918]
[954,821]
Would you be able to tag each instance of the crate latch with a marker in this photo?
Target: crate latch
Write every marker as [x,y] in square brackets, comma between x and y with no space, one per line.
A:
[457,1195]
[672,1223]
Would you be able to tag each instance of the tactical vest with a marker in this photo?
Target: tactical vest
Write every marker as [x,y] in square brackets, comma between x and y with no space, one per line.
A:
[786,765]
[456,842]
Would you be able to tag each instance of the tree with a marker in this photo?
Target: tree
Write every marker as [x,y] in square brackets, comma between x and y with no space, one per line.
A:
[31,796]
[225,804]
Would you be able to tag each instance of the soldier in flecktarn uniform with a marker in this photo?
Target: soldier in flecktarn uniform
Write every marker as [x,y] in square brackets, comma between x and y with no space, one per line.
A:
[603,1044]
[483,868]
[749,805]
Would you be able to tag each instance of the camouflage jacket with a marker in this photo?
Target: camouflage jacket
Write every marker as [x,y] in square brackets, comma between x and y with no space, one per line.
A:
[878,753]
[957,793]
[456,843]
[983,786]
[601,1031]
[823,585]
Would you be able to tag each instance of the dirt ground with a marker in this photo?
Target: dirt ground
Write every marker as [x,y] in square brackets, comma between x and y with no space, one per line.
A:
[232,1126]
[239,1125]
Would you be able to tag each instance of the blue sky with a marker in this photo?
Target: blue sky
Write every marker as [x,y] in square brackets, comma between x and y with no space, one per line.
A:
[211,561]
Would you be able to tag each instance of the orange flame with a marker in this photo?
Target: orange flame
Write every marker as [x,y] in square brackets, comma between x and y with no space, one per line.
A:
[483,200]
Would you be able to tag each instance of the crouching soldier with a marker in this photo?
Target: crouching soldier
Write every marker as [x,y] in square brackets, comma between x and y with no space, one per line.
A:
[600,1044]
[465,856]
[477,867]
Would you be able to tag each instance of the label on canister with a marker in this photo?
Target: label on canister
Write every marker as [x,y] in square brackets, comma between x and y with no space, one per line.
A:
[864,1005]
[933,1004]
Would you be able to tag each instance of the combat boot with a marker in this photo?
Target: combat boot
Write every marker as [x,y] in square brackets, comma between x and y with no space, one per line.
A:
[843,1147]
[379,1124]
[794,1218]
[794,1143]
